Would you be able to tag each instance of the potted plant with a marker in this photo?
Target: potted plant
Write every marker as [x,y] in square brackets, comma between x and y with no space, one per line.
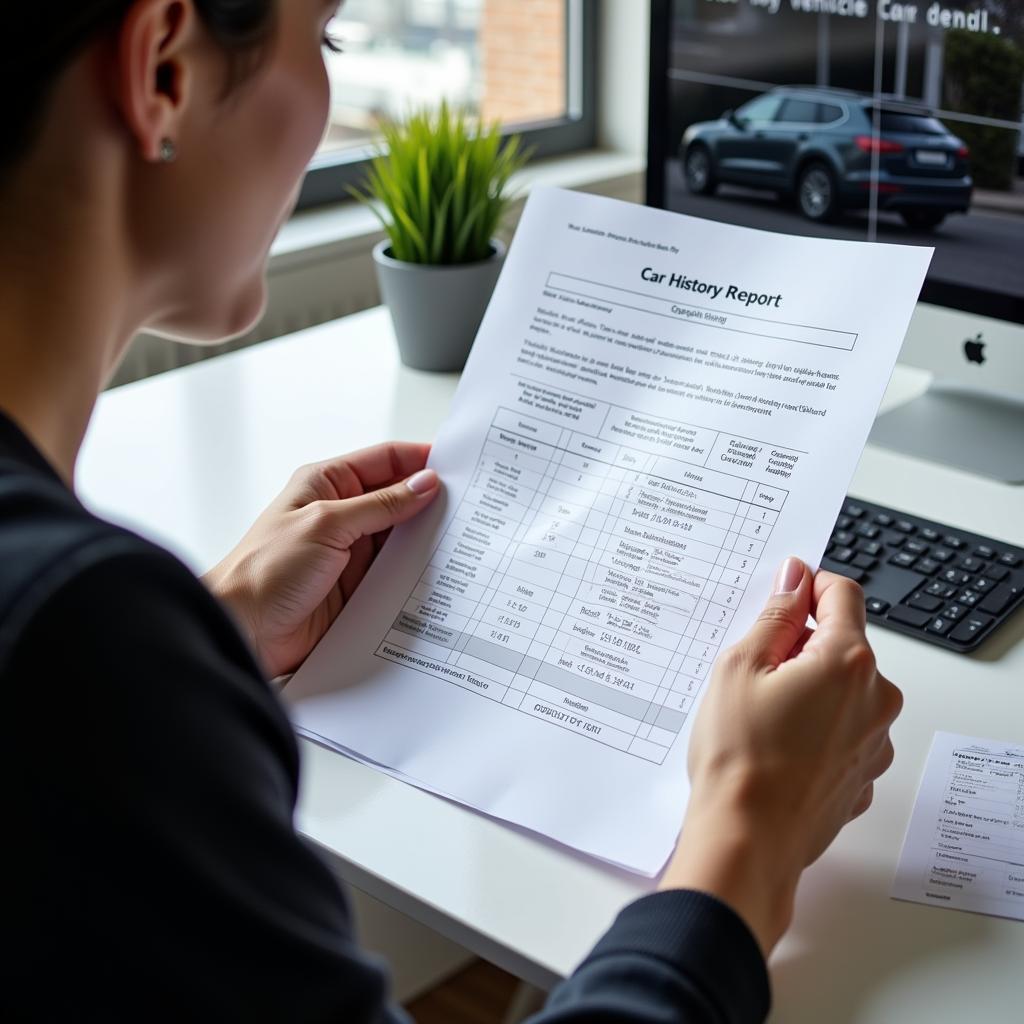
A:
[439,189]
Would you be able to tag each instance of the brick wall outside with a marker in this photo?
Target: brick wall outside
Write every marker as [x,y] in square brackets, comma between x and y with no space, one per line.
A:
[522,56]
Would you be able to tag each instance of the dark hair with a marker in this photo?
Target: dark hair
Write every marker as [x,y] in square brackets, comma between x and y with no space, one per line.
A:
[55,32]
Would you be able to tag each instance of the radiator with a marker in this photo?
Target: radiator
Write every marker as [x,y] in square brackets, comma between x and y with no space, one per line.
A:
[300,294]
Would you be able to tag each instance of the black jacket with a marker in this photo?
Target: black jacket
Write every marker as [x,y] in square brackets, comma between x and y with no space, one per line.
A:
[151,780]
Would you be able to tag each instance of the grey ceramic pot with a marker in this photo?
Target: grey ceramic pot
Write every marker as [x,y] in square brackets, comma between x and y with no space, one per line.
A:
[436,310]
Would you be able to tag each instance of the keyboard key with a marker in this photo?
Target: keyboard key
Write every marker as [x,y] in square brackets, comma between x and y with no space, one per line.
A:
[905,526]
[952,541]
[927,566]
[971,564]
[929,534]
[940,589]
[883,519]
[909,616]
[940,625]
[969,598]
[842,554]
[997,573]
[844,538]
[926,602]
[915,547]
[854,511]
[865,562]
[868,531]
[874,549]
[1010,559]
[982,584]
[1000,598]
[956,577]
[849,571]
[974,625]
[941,554]
[905,560]
[844,523]
[984,551]
[876,606]
[954,612]
[893,540]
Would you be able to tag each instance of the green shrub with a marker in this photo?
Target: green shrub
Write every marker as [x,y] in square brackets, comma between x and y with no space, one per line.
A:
[442,186]
[983,77]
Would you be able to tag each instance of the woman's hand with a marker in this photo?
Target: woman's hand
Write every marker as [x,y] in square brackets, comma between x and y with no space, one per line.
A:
[294,570]
[786,747]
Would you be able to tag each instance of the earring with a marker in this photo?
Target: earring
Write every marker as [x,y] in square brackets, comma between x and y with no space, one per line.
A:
[168,151]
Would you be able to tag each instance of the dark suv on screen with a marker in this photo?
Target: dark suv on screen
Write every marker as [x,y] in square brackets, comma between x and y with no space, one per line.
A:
[819,146]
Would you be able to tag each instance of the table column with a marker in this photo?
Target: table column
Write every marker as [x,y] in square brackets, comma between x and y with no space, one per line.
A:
[440,614]
[589,674]
[512,607]
[690,525]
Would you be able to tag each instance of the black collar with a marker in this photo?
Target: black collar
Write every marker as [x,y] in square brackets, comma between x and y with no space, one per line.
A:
[15,445]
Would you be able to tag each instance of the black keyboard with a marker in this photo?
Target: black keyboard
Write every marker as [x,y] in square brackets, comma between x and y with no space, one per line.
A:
[946,586]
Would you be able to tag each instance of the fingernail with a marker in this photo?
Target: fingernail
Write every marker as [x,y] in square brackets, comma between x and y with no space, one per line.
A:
[788,578]
[422,482]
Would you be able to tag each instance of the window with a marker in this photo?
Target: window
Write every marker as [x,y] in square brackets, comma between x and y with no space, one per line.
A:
[526,63]
[829,113]
[909,124]
[798,112]
[761,109]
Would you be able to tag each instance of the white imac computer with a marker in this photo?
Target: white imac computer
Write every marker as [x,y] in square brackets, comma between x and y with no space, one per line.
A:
[875,120]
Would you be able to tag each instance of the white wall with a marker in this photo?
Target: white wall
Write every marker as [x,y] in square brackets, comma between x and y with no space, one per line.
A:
[624,47]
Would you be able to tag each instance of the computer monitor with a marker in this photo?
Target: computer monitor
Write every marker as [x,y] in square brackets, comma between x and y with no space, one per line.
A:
[875,120]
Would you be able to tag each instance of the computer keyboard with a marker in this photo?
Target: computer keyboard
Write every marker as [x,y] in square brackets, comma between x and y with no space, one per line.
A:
[946,586]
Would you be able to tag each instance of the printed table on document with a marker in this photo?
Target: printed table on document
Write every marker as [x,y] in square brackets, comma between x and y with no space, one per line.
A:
[585,582]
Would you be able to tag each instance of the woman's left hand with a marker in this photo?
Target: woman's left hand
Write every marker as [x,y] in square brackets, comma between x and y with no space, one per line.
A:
[296,568]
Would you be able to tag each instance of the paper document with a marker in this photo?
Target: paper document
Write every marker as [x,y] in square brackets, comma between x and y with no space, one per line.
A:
[965,843]
[657,410]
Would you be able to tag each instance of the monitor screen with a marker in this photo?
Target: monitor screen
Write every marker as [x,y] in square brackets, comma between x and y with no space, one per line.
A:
[861,119]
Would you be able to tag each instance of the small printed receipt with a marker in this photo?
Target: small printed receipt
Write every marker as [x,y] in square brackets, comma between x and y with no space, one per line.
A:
[965,845]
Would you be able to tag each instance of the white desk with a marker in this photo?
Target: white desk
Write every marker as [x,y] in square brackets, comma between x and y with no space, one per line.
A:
[189,458]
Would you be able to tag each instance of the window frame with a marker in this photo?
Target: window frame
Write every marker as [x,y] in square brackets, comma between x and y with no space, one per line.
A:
[331,175]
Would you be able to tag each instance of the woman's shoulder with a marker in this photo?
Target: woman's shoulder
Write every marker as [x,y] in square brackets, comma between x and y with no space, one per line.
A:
[51,545]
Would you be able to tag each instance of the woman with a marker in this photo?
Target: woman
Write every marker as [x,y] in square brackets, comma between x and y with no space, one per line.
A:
[151,151]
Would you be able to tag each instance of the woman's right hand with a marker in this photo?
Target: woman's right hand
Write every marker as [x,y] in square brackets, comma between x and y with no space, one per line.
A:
[787,744]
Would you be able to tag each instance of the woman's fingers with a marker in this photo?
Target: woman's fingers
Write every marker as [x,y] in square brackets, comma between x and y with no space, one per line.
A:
[863,802]
[348,475]
[342,523]
[782,621]
[361,556]
[384,464]
[837,604]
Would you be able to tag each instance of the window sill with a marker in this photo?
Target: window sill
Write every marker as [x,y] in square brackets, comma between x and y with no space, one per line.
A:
[330,231]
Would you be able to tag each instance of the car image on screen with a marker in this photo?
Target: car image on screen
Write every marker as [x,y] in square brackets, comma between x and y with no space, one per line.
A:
[819,146]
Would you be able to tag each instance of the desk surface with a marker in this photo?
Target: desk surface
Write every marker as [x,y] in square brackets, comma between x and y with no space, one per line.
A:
[189,458]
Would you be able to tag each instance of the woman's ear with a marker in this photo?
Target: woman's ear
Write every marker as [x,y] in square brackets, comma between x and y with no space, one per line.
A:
[154,73]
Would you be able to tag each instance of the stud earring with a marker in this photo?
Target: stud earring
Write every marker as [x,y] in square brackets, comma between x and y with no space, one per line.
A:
[168,151]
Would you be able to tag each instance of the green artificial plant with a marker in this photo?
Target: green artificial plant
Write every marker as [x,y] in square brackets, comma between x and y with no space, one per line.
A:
[441,180]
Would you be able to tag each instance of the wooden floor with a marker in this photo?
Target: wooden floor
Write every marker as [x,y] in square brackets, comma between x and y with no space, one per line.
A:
[480,994]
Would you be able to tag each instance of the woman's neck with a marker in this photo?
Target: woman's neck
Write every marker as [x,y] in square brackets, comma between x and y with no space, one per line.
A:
[66,318]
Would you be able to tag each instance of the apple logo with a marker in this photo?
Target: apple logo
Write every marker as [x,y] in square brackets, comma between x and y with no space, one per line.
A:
[974,349]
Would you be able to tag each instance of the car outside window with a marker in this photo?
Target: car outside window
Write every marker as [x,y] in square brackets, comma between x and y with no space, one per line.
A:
[795,111]
[761,109]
